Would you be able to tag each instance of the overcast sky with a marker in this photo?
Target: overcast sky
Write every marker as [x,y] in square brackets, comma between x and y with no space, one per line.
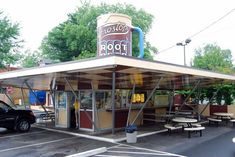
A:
[175,21]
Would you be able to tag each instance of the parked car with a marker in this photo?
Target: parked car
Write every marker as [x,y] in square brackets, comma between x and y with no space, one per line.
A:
[14,119]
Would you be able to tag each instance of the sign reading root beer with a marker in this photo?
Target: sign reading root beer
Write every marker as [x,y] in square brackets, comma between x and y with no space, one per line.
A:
[114,35]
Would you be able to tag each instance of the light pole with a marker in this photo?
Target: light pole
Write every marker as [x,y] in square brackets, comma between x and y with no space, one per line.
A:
[186,42]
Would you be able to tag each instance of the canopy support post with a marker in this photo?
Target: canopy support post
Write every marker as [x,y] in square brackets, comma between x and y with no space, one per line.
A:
[151,94]
[52,90]
[113,100]
[171,101]
[95,114]
[22,96]
[129,112]
[214,94]
[186,99]
[30,89]
[12,102]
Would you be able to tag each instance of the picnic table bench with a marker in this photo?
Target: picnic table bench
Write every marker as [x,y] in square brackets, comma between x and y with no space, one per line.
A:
[214,120]
[171,127]
[41,115]
[194,129]
[232,121]
[50,115]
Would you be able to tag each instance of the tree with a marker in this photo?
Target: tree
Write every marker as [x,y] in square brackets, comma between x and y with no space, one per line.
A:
[212,57]
[30,59]
[76,38]
[9,42]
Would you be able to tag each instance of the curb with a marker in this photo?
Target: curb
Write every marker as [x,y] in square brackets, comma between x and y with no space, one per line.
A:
[89,152]
[79,135]
[100,138]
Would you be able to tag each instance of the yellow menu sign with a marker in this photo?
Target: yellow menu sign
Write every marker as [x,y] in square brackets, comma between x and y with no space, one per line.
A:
[138,98]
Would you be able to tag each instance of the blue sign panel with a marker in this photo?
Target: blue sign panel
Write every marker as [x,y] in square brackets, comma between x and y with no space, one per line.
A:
[41,95]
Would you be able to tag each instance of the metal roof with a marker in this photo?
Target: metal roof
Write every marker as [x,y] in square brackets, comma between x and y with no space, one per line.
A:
[99,71]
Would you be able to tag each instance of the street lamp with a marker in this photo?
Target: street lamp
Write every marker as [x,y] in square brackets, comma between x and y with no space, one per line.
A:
[187,41]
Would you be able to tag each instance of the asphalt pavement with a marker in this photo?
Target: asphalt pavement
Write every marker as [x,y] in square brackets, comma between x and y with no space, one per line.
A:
[221,146]
[43,143]
[215,142]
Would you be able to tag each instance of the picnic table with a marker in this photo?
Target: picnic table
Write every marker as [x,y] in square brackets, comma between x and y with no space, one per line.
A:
[191,126]
[223,114]
[41,115]
[188,121]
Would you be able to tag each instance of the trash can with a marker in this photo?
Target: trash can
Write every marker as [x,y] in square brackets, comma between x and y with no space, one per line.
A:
[131,134]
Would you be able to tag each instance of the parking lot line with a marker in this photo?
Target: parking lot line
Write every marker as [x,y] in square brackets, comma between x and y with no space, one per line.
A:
[129,147]
[139,153]
[136,148]
[79,135]
[36,144]
[111,156]
[89,152]
[29,133]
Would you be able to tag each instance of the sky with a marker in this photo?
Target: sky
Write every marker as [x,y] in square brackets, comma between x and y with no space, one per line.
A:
[175,21]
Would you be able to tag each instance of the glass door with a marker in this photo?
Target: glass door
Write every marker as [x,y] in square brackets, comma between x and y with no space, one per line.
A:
[86,110]
[62,110]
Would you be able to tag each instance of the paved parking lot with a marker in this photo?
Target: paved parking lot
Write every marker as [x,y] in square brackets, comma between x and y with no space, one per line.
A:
[43,143]
[216,141]
[46,143]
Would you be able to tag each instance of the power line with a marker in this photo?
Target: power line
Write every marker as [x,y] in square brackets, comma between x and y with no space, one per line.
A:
[213,23]
[166,49]
[202,30]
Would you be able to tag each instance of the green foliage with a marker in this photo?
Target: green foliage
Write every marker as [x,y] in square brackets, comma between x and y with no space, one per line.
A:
[228,92]
[85,54]
[225,93]
[9,43]
[184,93]
[30,59]
[212,57]
[76,38]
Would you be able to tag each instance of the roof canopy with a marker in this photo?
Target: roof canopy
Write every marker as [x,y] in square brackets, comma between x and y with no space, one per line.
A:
[99,71]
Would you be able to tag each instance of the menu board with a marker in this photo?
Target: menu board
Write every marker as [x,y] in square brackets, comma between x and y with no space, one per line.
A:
[138,98]
[161,100]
